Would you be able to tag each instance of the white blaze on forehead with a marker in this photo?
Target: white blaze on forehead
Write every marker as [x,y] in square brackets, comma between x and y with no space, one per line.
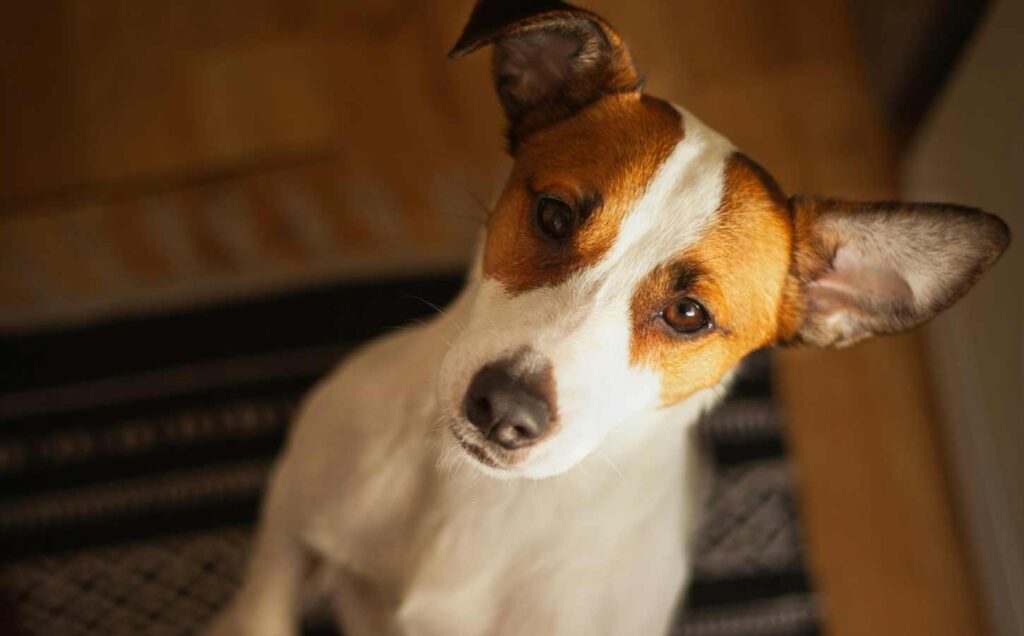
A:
[675,210]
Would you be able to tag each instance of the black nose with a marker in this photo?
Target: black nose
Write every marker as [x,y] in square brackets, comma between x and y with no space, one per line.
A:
[508,410]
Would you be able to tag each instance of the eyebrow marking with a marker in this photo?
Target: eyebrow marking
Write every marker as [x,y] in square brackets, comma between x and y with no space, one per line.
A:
[687,274]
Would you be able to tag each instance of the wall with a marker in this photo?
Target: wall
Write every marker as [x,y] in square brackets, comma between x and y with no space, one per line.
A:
[971,150]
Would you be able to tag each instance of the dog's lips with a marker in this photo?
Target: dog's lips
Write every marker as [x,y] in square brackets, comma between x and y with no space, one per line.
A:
[476,452]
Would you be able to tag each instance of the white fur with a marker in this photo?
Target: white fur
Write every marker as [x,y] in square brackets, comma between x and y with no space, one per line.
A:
[582,326]
[418,538]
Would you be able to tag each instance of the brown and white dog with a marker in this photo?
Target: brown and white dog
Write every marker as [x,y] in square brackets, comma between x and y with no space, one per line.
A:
[524,463]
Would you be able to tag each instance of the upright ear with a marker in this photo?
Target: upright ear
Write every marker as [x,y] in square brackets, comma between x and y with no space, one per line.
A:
[861,269]
[550,60]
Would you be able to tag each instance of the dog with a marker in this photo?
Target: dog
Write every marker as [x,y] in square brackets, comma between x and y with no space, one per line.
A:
[525,462]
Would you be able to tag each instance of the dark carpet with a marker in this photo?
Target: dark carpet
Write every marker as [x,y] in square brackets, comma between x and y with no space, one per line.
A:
[133,453]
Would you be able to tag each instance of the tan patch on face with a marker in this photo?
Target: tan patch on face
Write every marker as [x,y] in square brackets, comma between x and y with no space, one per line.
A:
[737,272]
[811,256]
[603,158]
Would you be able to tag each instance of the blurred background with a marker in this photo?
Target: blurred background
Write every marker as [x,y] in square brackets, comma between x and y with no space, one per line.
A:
[203,205]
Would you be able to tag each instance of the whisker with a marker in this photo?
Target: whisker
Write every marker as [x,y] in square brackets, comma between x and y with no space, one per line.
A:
[463,217]
[472,482]
[479,202]
[427,303]
[438,309]
[611,463]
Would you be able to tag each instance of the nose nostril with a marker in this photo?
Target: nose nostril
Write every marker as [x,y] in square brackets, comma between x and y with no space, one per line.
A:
[480,412]
[481,409]
[513,435]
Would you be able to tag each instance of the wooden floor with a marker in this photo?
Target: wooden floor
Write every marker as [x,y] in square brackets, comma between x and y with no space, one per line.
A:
[158,152]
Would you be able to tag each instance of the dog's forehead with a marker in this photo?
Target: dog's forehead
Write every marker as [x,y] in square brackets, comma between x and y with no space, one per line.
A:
[680,203]
[655,171]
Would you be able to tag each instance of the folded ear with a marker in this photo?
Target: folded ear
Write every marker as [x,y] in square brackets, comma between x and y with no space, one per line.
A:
[550,60]
[861,269]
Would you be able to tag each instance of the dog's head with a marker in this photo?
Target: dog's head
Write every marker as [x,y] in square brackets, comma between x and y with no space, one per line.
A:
[635,256]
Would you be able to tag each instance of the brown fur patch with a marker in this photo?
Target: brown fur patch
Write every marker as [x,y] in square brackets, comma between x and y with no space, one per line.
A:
[741,267]
[810,257]
[608,153]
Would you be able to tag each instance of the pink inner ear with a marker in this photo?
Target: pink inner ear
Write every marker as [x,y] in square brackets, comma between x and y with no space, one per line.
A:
[855,282]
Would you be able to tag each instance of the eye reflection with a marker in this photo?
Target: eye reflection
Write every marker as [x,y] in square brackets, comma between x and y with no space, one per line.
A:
[554,217]
[686,316]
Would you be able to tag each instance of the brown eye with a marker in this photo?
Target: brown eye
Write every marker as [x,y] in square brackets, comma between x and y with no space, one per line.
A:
[686,316]
[554,217]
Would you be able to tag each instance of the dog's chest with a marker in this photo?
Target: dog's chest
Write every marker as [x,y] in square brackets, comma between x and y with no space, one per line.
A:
[529,552]
[415,545]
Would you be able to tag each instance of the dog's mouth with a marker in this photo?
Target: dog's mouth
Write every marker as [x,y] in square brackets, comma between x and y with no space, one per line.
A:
[476,451]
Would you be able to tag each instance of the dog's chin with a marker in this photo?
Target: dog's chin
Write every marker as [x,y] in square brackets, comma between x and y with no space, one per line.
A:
[481,454]
[496,462]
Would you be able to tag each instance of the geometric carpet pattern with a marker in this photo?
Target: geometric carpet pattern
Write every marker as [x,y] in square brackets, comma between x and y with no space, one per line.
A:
[133,455]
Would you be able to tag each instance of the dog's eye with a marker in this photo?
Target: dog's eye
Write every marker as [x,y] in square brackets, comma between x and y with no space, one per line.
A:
[686,316]
[554,217]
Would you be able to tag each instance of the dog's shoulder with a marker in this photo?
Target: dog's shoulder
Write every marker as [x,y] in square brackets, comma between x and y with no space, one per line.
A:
[362,429]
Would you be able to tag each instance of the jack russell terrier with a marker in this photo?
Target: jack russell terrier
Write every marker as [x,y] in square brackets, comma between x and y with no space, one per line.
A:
[525,464]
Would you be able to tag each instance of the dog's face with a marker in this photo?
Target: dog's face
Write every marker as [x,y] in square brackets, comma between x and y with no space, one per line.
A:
[631,261]
[634,256]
